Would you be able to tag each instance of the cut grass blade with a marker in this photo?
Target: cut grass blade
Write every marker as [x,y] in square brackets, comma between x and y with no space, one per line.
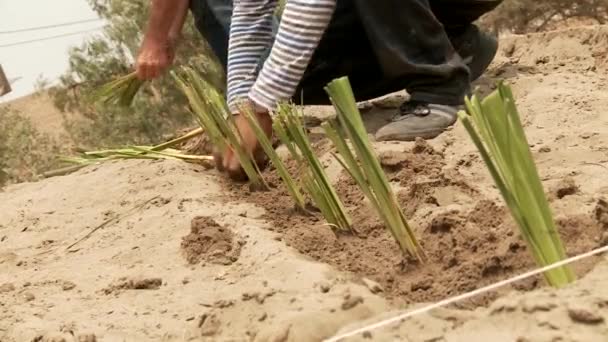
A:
[120,91]
[289,128]
[210,110]
[495,127]
[171,143]
[364,167]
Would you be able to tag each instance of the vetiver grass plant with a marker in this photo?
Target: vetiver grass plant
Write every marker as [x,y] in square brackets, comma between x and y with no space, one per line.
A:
[210,109]
[363,165]
[290,130]
[495,127]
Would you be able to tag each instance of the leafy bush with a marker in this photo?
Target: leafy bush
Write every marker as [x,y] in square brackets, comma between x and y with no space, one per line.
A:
[158,110]
[25,152]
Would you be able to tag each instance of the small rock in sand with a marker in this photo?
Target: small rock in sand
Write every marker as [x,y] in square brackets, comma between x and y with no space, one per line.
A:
[584,315]
[57,337]
[86,338]
[209,324]
[566,187]
[7,287]
[67,285]
[351,301]
[372,286]
[28,296]
[223,303]
[324,286]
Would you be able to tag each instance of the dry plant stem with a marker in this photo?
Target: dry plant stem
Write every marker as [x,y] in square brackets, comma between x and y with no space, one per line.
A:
[120,91]
[63,171]
[194,133]
[134,152]
[114,219]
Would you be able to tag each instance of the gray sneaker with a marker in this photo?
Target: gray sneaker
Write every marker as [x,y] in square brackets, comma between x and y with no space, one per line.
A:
[418,120]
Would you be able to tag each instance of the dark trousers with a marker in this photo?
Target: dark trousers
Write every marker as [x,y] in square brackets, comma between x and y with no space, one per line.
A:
[383,46]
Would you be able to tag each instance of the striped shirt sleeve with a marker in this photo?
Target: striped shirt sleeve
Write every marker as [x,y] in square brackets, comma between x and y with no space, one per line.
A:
[250,36]
[302,26]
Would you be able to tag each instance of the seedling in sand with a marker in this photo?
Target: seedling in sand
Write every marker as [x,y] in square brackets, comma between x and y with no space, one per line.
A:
[495,127]
[363,165]
[290,129]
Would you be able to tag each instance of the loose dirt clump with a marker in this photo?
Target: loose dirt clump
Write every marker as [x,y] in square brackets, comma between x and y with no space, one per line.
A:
[601,213]
[133,284]
[566,187]
[210,242]
[406,165]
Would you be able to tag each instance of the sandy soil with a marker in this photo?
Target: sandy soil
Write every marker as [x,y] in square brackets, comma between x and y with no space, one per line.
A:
[167,251]
[143,277]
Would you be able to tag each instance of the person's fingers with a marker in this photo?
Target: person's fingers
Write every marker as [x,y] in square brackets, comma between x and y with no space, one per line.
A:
[227,155]
[153,71]
[233,167]
[233,163]
[141,70]
[148,71]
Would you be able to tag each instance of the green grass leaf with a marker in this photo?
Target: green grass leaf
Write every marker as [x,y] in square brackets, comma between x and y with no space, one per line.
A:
[496,130]
[364,167]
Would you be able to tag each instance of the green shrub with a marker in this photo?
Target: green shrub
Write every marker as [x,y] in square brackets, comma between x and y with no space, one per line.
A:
[25,152]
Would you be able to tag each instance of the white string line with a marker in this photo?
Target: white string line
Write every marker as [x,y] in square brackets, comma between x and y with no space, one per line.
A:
[467,295]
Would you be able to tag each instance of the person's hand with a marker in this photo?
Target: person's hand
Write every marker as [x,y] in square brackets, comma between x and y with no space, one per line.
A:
[154,58]
[227,161]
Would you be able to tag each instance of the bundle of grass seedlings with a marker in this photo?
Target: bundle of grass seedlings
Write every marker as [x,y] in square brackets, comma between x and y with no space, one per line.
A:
[363,165]
[120,91]
[160,151]
[495,127]
[289,128]
[210,110]
[134,152]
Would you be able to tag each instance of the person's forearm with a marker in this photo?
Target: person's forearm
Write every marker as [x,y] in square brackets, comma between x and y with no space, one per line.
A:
[162,19]
[250,36]
[179,19]
[302,26]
